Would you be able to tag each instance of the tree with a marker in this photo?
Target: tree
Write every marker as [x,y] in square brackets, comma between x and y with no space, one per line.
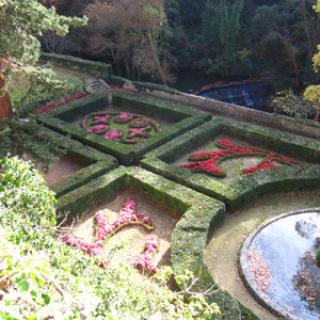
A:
[22,24]
[229,28]
[312,93]
[132,33]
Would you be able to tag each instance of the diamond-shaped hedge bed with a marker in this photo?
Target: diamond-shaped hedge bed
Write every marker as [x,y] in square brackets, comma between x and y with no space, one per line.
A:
[207,160]
[194,213]
[128,129]
[77,163]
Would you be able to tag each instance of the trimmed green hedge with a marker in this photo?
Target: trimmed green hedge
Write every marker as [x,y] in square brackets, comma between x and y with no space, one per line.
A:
[183,118]
[98,69]
[200,215]
[244,188]
[144,86]
[97,163]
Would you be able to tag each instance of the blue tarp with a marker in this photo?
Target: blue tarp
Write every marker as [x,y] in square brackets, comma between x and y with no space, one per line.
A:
[252,95]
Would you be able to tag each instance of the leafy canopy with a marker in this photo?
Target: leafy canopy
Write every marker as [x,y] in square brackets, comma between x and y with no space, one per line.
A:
[42,278]
[22,24]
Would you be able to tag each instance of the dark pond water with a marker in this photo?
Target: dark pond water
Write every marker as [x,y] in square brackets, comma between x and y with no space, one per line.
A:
[278,264]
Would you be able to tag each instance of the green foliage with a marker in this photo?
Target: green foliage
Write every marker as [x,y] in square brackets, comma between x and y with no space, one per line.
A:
[228,25]
[21,137]
[32,84]
[312,94]
[25,201]
[209,24]
[43,278]
[318,254]
[22,23]
[288,103]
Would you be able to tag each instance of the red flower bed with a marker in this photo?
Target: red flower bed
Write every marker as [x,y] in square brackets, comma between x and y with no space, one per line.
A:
[128,216]
[208,162]
[48,107]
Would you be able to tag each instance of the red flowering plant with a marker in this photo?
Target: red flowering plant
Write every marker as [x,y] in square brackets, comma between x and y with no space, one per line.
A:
[52,106]
[123,127]
[128,216]
[208,162]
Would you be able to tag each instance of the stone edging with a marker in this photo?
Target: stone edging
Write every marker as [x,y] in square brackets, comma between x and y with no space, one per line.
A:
[242,264]
[306,128]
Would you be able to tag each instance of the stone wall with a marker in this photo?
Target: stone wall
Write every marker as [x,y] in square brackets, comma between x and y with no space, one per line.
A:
[306,128]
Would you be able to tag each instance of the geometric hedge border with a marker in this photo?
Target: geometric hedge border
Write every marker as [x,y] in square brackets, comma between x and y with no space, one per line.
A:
[184,119]
[197,211]
[284,178]
[98,69]
[98,162]
[200,215]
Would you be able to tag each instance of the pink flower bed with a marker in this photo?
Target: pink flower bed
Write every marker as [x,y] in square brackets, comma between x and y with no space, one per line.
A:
[123,127]
[128,216]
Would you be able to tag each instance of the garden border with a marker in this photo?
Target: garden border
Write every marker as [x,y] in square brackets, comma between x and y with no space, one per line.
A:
[244,267]
[308,128]
[198,212]
[99,69]
[100,163]
[127,154]
[200,215]
[243,189]
[139,86]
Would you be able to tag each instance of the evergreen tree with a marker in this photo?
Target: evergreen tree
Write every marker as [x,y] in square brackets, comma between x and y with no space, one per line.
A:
[229,28]
[22,23]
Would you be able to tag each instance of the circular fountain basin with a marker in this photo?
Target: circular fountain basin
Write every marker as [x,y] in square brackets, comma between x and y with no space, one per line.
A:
[279,267]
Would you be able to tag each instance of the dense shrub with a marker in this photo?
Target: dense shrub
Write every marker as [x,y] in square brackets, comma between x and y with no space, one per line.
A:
[41,278]
[318,252]
[286,102]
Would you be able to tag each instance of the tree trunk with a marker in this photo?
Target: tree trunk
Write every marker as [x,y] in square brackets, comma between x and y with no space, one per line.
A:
[5,107]
[307,24]
[156,59]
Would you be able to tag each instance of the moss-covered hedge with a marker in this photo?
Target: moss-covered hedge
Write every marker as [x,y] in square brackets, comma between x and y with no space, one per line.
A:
[244,188]
[98,69]
[97,163]
[143,86]
[182,118]
[200,215]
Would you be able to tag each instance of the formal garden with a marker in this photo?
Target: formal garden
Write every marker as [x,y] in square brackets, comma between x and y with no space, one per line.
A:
[125,199]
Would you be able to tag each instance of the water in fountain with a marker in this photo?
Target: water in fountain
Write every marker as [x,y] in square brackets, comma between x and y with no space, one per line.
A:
[279,265]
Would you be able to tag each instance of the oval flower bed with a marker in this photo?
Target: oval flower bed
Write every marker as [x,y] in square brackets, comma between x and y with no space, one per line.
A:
[123,127]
